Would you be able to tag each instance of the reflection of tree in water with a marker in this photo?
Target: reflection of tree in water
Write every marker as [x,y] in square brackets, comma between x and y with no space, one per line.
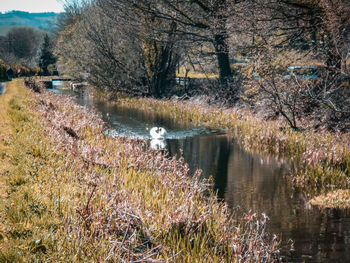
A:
[320,236]
[260,185]
[222,167]
[256,184]
[209,153]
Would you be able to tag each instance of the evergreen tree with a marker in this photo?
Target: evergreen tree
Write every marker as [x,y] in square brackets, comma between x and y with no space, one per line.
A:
[46,56]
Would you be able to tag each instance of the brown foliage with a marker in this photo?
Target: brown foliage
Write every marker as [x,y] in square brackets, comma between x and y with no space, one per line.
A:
[34,85]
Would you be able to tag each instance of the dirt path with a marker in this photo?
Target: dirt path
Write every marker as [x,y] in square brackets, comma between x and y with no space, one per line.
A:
[13,88]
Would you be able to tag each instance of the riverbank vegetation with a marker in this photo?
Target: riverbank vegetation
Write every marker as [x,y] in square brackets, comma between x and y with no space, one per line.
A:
[74,194]
[320,161]
[285,78]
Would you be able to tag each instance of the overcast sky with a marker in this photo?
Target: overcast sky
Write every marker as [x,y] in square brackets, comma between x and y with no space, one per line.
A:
[33,6]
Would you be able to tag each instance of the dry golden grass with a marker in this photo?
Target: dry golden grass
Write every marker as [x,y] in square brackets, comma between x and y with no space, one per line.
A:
[5,127]
[6,132]
[195,75]
[333,199]
[78,195]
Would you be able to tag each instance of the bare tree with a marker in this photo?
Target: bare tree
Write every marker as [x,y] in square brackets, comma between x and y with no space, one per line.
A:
[304,33]
[21,45]
[194,22]
[93,43]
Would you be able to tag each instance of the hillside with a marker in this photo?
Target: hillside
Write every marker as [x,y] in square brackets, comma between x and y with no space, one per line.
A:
[41,21]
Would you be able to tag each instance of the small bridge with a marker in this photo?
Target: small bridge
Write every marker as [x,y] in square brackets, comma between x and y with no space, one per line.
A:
[61,79]
[48,83]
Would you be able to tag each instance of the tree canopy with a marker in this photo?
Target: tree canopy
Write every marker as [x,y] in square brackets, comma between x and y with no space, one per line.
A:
[140,47]
[46,56]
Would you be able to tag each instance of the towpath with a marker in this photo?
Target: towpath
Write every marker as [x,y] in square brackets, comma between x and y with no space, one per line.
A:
[6,133]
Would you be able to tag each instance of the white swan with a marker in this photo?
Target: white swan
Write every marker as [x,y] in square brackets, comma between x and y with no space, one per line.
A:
[157,132]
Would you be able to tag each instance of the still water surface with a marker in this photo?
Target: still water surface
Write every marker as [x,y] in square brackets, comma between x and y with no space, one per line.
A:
[251,182]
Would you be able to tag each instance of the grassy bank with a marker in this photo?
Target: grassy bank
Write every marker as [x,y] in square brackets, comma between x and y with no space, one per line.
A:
[74,194]
[323,159]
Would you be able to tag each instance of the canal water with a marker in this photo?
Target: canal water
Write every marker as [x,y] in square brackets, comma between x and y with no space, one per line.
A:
[249,182]
[2,87]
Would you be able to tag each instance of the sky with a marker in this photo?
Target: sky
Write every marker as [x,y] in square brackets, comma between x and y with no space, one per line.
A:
[33,6]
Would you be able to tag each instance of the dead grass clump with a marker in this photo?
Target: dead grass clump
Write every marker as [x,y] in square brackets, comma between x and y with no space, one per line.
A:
[333,199]
[34,85]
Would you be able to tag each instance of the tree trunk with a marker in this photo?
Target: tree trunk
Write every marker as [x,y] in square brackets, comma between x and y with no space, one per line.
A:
[166,65]
[222,54]
[162,75]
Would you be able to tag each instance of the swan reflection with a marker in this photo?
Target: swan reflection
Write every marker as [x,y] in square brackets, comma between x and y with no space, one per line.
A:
[158,144]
